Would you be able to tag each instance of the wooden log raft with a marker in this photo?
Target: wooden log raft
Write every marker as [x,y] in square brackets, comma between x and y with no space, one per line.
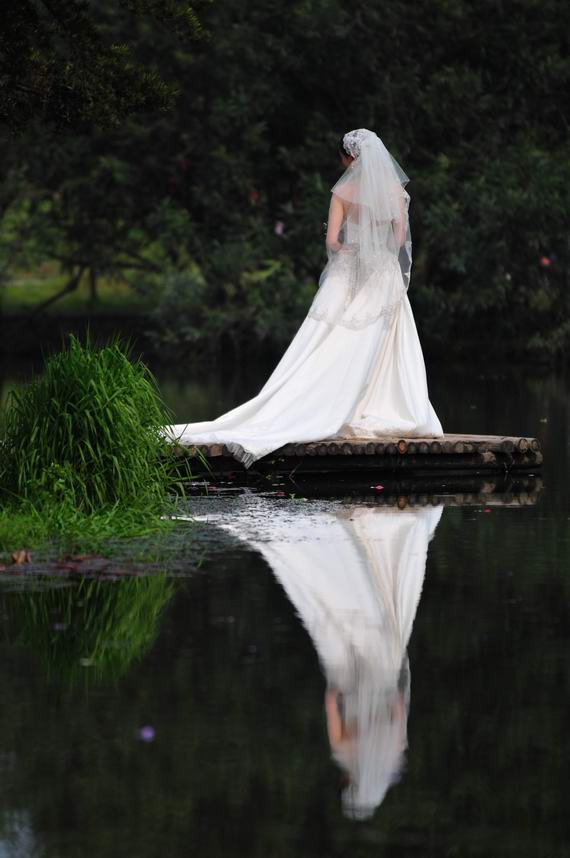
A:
[450,454]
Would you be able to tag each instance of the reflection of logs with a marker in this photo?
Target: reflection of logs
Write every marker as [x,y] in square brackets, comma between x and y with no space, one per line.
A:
[478,498]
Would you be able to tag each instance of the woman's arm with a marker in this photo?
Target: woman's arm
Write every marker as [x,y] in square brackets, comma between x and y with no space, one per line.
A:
[336,217]
[399,225]
[334,721]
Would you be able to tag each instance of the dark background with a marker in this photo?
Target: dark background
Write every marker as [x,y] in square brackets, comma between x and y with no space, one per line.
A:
[173,176]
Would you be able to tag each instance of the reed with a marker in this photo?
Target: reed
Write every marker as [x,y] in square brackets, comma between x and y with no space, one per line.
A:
[86,433]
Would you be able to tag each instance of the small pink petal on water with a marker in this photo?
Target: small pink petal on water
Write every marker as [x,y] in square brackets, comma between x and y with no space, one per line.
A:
[378,488]
[487,509]
[544,261]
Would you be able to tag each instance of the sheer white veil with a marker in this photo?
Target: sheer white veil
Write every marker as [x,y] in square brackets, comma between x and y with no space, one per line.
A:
[373,253]
[373,185]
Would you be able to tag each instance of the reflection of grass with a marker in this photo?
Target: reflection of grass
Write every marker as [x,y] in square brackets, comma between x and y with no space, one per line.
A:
[29,289]
[92,630]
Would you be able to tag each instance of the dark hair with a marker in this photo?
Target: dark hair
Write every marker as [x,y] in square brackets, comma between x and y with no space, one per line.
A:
[341,150]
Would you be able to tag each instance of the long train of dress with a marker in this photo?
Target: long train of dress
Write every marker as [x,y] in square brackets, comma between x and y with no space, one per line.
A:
[338,377]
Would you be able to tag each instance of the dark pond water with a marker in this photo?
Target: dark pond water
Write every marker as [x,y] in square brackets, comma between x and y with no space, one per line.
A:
[321,677]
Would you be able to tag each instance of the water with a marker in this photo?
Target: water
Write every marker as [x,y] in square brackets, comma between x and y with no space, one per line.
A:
[326,677]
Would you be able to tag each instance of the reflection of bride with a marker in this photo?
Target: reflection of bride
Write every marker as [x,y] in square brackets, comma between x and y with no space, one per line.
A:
[355,366]
[355,579]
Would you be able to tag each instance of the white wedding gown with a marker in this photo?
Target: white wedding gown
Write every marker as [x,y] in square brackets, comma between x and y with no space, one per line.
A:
[352,369]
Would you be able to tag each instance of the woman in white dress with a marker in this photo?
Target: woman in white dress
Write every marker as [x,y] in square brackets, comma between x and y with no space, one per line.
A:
[355,366]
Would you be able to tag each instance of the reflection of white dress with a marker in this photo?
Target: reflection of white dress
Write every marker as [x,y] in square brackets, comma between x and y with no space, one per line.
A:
[348,371]
[355,579]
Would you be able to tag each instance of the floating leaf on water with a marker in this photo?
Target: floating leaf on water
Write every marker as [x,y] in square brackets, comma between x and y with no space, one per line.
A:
[21,556]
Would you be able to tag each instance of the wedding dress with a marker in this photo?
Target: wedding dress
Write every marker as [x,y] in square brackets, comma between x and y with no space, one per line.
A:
[355,367]
[355,577]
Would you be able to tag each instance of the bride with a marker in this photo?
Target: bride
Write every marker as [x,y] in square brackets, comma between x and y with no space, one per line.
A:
[355,366]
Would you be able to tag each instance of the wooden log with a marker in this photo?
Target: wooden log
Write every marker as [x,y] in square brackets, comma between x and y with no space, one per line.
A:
[507,445]
[300,449]
[391,449]
[216,450]
[334,449]
[370,449]
[380,449]
[412,448]
[322,450]
[435,447]
[346,449]
[423,448]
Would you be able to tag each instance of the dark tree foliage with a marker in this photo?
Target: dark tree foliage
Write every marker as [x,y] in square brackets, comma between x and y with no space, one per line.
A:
[57,66]
[216,208]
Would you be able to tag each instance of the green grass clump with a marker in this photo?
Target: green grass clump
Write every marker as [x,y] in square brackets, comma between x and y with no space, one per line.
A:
[83,462]
[86,433]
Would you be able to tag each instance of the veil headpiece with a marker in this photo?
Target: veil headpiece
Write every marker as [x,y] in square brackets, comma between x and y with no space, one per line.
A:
[352,140]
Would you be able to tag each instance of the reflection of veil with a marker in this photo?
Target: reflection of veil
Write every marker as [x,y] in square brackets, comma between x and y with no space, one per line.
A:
[355,578]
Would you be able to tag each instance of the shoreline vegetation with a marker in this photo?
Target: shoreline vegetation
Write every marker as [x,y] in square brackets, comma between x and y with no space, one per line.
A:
[163,332]
[191,176]
[82,457]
